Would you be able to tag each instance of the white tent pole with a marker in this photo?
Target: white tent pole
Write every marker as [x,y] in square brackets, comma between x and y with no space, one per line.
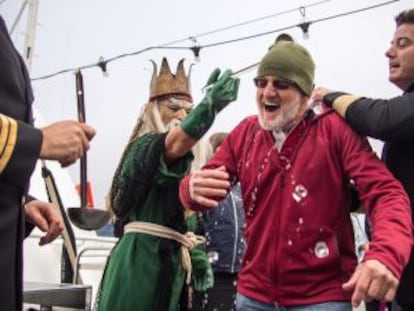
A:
[19,15]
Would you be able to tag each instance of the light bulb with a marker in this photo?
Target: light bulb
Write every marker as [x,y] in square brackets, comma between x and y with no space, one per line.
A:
[305,29]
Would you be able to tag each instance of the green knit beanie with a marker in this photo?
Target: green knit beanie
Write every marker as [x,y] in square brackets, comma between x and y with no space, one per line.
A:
[290,61]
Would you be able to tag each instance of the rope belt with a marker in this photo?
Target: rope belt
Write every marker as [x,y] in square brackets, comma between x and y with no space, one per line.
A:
[188,240]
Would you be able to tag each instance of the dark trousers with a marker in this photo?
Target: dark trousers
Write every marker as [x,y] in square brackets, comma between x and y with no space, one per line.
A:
[221,297]
[403,307]
[374,306]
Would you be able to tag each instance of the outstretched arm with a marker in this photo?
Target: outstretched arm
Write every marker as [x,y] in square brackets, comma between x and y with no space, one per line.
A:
[385,119]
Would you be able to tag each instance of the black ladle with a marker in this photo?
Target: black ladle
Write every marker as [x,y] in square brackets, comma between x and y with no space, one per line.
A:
[85,218]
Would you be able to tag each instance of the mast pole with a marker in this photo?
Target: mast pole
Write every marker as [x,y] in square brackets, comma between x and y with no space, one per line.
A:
[30,32]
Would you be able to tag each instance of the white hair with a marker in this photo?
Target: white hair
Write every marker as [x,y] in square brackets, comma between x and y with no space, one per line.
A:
[149,120]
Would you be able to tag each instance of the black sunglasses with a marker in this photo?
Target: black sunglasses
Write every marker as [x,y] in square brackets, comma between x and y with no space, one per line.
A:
[261,83]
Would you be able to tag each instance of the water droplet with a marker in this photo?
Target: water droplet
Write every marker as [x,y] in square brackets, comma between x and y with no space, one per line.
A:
[301,190]
[213,256]
[321,249]
[296,197]
[299,193]
[300,220]
[290,242]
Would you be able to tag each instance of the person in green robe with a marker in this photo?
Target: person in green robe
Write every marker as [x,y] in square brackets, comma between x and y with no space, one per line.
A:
[158,254]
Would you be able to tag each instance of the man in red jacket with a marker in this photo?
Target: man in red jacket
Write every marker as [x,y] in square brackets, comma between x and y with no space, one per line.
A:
[294,164]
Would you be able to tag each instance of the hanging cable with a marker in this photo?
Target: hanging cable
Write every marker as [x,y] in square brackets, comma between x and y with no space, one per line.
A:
[102,62]
[242,23]
[298,25]
[258,19]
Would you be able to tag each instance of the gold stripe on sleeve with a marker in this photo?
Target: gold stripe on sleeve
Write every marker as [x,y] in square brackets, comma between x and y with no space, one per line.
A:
[8,138]
[4,133]
[342,103]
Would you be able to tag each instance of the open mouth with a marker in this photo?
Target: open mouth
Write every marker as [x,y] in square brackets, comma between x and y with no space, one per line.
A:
[270,107]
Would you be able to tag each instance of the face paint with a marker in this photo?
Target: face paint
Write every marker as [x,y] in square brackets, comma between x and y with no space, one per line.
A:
[174,110]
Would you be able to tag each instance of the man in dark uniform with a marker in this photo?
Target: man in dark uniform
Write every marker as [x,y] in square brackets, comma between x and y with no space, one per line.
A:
[21,145]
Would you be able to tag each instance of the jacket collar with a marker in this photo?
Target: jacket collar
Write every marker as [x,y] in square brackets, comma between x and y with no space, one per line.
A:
[410,88]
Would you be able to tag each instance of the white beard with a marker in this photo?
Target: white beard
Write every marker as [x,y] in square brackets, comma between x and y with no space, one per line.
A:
[284,119]
[173,123]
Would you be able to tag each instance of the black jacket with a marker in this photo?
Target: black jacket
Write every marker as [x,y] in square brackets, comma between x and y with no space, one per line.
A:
[17,161]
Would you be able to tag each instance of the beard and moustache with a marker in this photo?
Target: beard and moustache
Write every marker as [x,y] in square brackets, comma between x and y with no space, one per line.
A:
[172,124]
[285,119]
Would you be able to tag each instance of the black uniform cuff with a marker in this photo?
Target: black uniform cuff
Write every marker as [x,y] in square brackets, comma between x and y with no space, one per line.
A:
[329,98]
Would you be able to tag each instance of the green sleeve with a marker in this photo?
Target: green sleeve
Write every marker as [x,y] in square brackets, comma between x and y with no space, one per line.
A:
[169,174]
[135,172]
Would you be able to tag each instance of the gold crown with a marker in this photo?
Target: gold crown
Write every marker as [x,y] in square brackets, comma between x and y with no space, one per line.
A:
[167,83]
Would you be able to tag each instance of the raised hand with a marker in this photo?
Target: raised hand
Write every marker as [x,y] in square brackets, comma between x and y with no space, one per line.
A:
[221,91]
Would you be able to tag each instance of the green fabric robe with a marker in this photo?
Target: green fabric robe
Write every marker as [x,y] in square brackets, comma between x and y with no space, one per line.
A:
[145,189]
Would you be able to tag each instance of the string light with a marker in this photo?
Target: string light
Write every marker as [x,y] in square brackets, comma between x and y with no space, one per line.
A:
[195,48]
[304,25]
[102,64]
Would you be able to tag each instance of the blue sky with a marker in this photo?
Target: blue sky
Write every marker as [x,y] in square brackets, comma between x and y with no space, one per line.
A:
[348,51]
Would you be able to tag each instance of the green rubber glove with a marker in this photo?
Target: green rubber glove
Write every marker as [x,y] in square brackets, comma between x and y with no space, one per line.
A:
[221,91]
[203,277]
